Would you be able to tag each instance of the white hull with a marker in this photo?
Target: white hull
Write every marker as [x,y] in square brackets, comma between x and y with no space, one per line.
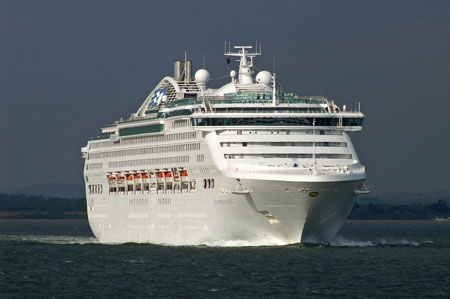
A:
[229,212]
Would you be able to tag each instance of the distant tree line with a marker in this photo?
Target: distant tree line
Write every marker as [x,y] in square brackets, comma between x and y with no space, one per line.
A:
[40,207]
[401,212]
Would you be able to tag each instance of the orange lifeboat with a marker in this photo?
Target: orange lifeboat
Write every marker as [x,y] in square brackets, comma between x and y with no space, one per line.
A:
[160,175]
[130,177]
[145,176]
[184,173]
[168,174]
[111,179]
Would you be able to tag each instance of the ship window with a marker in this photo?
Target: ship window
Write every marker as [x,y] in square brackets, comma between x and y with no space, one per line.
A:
[272,121]
[192,185]
[300,144]
[298,156]
[141,130]
[95,189]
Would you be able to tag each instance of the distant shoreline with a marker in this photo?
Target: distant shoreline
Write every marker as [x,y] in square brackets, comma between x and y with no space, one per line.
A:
[42,220]
[393,221]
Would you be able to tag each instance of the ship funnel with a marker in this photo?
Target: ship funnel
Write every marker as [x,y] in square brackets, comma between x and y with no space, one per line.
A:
[177,70]
[188,70]
[182,70]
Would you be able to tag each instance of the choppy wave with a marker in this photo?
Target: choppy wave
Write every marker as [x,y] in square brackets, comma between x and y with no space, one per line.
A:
[343,241]
[50,239]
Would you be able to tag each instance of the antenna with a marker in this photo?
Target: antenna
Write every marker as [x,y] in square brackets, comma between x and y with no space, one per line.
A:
[186,67]
[274,90]
[274,62]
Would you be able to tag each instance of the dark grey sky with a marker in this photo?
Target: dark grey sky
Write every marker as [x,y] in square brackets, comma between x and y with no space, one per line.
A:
[69,67]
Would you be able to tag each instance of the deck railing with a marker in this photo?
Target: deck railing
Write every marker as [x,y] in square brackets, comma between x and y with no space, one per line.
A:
[335,170]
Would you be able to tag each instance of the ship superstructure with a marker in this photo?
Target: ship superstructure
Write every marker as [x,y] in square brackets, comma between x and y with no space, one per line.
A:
[196,165]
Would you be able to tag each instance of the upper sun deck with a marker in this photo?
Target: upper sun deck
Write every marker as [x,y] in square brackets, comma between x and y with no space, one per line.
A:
[265,98]
[243,99]
[257,101]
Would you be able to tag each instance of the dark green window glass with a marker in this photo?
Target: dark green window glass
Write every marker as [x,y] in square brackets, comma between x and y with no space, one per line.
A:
[271,121]
[141,130]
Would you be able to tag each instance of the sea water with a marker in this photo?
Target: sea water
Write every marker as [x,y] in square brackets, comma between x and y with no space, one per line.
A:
[61,259]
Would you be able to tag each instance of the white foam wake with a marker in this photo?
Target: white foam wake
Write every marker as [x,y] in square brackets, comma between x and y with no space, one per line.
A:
[243,243]
[342,241]
[52,239]
[338,241]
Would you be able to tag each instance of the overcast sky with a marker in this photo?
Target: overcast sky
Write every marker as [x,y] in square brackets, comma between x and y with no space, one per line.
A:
[69,67]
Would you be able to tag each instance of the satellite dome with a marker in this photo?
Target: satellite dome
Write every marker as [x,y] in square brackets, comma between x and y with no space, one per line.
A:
[264,77]
[233,74]
[202,76]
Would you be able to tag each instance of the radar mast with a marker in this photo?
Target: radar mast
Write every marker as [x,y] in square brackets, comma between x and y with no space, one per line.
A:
[245,65]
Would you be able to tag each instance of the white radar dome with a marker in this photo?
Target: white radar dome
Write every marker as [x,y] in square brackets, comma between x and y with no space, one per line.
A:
[264,77]
[202,76]
[233,74]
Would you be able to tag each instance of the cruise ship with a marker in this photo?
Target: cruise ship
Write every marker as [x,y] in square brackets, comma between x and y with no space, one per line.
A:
[244,162]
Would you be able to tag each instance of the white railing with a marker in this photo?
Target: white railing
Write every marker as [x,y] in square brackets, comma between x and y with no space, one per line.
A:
[334,170]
